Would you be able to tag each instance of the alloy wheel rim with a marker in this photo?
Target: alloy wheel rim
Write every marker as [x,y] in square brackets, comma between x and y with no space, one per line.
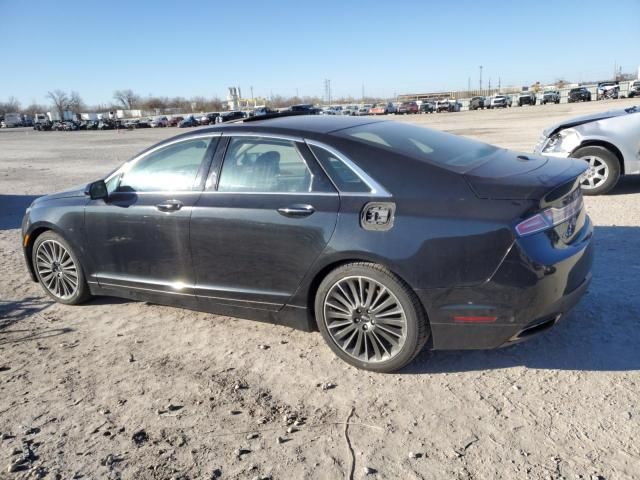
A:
[596,174]
[56,269]
[365,319]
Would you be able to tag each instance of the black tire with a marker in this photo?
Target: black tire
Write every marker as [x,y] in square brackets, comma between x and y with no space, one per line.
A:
[612,163]
[416,323]
[82,293]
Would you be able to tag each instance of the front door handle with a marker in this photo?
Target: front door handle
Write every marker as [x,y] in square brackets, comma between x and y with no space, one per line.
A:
[170,206]
[297,210]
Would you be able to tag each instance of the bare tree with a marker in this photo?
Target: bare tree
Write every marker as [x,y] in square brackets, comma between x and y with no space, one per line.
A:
[127,98]
[75,104]
[60,101]
[12,105]
[34,108]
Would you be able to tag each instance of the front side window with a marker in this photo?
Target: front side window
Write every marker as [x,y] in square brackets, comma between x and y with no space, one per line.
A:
[254,164]
[174,167]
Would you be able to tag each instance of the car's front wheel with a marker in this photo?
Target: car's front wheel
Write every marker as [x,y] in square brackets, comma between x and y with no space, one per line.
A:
[370,318]
[603,172]
[58,269]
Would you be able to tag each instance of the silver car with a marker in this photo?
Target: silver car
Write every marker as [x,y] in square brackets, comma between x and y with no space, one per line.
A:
[609,141]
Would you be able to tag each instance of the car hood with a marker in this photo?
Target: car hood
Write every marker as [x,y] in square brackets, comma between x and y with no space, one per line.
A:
[73,192]
[573,122]
[510,175]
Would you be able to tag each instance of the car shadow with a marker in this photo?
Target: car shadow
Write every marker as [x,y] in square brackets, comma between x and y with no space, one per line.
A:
[12,208]
[12,312]
[626,185]
[601,334]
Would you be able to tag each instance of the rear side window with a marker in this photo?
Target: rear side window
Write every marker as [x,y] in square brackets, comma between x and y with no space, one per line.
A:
[453,152]
[344,178]
[264,165]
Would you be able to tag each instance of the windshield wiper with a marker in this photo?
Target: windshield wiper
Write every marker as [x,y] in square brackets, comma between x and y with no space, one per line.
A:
[631,109]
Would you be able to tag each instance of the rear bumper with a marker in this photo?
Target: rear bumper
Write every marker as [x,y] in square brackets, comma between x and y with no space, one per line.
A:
[524,297]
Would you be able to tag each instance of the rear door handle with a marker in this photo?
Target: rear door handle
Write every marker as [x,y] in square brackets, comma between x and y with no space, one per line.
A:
[297,210]
[170,206]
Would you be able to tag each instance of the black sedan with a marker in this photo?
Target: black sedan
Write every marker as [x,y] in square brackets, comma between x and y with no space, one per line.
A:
[384,236]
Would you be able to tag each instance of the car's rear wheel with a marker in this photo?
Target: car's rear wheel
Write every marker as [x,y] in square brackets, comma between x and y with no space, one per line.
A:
[603,172]
[370,318]
[58,269]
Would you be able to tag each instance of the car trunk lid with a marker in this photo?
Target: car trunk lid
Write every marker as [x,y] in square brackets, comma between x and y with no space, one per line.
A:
[509,175]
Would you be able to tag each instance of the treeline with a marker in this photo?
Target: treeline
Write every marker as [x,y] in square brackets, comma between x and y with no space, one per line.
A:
[127,99]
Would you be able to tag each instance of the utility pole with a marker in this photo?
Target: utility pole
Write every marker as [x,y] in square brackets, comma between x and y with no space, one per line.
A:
[252,97]
[327,90]
[499,84]
[489,85]
[362,92]
[480,78]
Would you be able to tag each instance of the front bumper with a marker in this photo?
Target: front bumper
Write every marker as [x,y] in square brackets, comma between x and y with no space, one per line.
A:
[525,296]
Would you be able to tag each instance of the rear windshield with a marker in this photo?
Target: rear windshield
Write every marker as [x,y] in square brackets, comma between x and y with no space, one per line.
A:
[431,146]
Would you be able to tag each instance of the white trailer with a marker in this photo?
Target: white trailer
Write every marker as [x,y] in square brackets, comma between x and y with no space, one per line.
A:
[12,120]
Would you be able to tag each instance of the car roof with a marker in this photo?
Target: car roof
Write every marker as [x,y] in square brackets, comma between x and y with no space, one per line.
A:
[316,124]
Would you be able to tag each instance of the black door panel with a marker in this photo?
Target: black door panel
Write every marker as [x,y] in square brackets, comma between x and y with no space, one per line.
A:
[138,245]
[247,251]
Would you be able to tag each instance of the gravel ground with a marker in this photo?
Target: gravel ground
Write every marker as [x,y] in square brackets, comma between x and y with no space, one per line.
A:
[120,389]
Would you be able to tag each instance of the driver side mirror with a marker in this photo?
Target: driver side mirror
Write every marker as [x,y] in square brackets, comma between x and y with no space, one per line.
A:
[97,190]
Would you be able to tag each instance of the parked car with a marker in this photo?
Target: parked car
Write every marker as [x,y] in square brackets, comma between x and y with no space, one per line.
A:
[305,108]
[261,111]
[427,107]
[160,122]
[91,125]
[229,116]
[634,89]
[478,102]
[144,123]
[509,261]
[43,125]
[382,108]
[408,107]
[175,121]
[500,101]
[190,121]
[550,96]
[364,109]
[608,142]
[580,94]
[608,90]
[527,97]
[350,110]
[330,111]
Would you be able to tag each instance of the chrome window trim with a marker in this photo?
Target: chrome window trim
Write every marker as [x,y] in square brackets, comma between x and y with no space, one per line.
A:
[276,136]
[136,159]
[375,189]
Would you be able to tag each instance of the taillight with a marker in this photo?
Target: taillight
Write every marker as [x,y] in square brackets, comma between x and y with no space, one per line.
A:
[551,217]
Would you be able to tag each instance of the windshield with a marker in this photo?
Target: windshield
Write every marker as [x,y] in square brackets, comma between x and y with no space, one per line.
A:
[431,146]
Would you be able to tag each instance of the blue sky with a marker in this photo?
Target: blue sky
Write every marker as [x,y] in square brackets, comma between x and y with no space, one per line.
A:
[185,48]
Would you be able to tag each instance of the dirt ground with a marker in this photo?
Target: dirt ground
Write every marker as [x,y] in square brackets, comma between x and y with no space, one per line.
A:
[120,389]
